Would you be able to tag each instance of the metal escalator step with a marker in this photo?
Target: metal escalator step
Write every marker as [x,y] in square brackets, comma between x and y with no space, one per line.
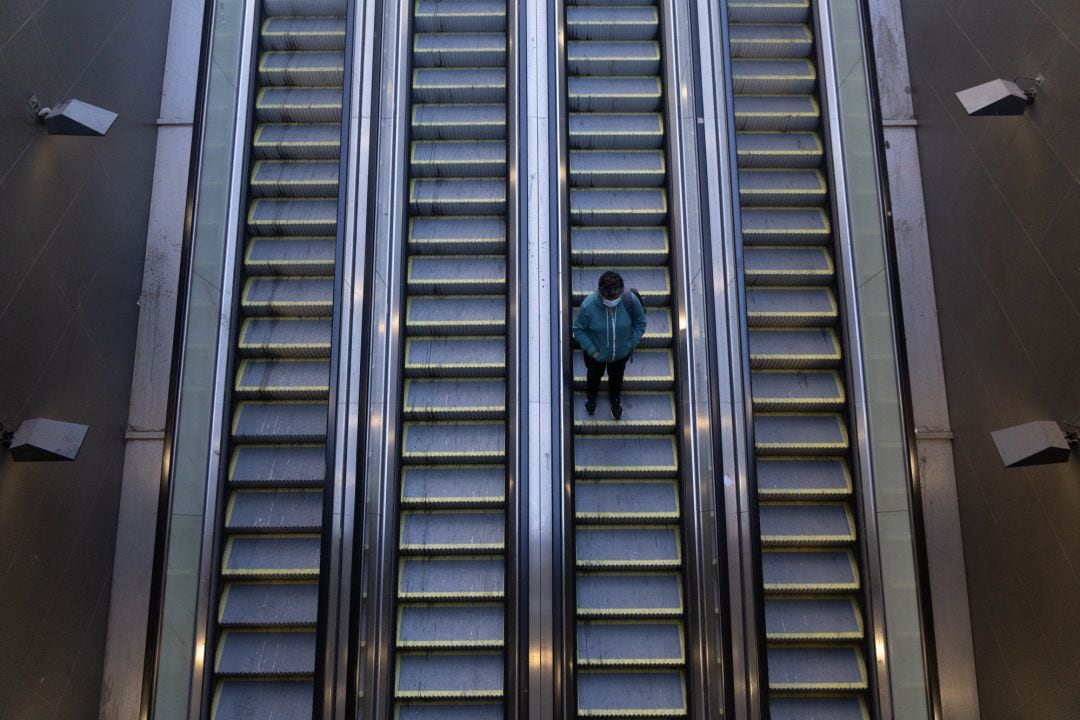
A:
[768,11]
[449,85]
[285,141]
[284,422]
[649,370]
[779,76]
[456,274]
[790,306]
[451,235]
[245,699]
[605,643]
[449,711]
[815,618]
[610,501]
[432,627]
[283,379]
[290,256]
[794,348]
[459,122]
[818,523]
[288,296]
[305,7]
[603,246]
[452,196]
[628,547]
[258,557]
[458,158]
[303,33]
[803,477]
[454,399]
[450,676]
[459,442]
[625,694]
[307,217]
[800,707]
[629,595]
[276,654]
[453,485]
[274,511]
[455,315]
[644,412]
[800,434]
[452,532]
[278,466]
[765,149]
[771,40]
[613,93]
[810,668]
[294,178]
[614,131]
[803,187]
[459,50]
[292,67]
[632,207]
[625,456]
[790,226]
[785,390]
[448,357]
[809,571]
[627,168]
[584,22]
[654,283]
[776,112]
[799,265]
[468,579]
[285,337]
[298,104]
[279,604]
[613,58]
[470,16]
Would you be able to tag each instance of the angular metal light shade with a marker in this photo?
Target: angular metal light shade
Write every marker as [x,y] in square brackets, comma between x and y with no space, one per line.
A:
[997,97]
[41,440]
[1041,442]
[75,117]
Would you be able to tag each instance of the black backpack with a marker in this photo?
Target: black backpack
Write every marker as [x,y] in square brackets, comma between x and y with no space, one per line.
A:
[629,305]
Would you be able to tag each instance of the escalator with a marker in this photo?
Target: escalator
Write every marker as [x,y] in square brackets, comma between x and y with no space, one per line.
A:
[449,640]
[807,521]
[628,556]
[266,607]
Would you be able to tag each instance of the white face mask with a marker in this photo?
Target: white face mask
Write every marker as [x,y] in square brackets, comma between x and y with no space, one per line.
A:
[611,303]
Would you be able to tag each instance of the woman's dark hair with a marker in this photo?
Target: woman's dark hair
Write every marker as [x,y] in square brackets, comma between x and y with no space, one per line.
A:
[610,285]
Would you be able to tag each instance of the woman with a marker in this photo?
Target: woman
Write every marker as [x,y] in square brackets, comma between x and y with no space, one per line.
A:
[608,327]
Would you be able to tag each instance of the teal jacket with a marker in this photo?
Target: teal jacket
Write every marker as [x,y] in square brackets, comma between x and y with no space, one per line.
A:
[605,335]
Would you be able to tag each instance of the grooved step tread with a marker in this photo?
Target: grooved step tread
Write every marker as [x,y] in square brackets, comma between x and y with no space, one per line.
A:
[615,693]
[645,412]
[811,668]
[271,556]
[472,233]
[280,604]
[797,390]
[456,315]
[628,547]
[236,699]
[629,595]
[805,524]
[623,456]
[263,653]
[450,579]
[461,532]
[622,130]
[604,246]
[283,379]
[454,399]
[788,265]
[456,274]
[460,626]
[285,422]
[274,511]
[446,675]
[453,485]
[613,644]
[794,348]
[609,501]
[285,337]
[455,357]
[290,256]
[800,707]
[650,370]
[800,434]
[809,571]
[466,442]
[803,477]
[278,465]
[813,618]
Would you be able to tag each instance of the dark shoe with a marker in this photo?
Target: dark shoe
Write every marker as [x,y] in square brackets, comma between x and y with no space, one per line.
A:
[590,405]
[616,410]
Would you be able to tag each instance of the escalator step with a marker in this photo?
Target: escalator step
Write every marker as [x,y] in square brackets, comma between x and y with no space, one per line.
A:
[471,16]
[790,226]
[644,412]
[462,442]
[458,158]
[283,379]
[584,22]
[432,627]
[768,11]
[623,644]
[773,76]
[271,556]
[624,694]
[286,141]
[284,422]
[782,478]
[276,465]
[627,168]
[457,274]
[609,501]
[454,399]
[654,283]
[796,707]
[455,357]
[276,654]
[809,571]
[785,390]
[451,235]
[771,40]
[625,595]
[790,306]
[447,85]
[625,456]
[457,315]
[613,94]
[304,7]
[794,348]
[776,112]
[454,711]
[817,524]
[458,122]
[649,370]
[449,676]
[603,246]
[764,149]
[303,33]
[315,68]
[279,604]
[803,668]
[285,337]
[274,511]
[307,217]
[628,547]
[290,256]
[452,196]
[453,485]
[294,178]
[242,700]
[298,104]
[455,579]
[618,206]
[288,296]
[788,266]
[616,130]
[452,532]
[803,434]
[613,58]
[787,187]
[454,50]
[821,618]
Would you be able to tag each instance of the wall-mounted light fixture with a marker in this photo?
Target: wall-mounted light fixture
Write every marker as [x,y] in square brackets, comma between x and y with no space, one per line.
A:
[1042,442]
[1001,97]
[73,117]
[40,440]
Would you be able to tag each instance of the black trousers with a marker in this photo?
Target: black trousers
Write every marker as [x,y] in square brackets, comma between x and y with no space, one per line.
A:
[595,370]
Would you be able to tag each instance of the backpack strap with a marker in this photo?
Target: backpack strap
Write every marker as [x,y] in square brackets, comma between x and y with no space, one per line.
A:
[628,302]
